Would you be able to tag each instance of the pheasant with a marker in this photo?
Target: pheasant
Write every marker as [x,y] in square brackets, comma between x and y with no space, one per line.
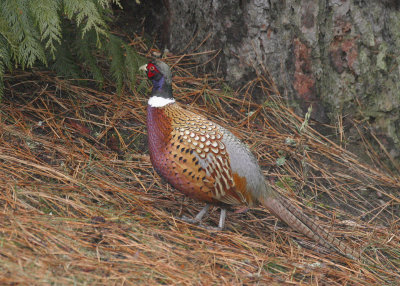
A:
[207,162]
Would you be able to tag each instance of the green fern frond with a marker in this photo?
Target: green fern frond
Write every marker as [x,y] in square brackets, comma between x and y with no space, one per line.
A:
[1,87]
[106,3]
[4,62]
[45,13]
[19,19]
[2,71]
[65,63]
[9,37]
[59,31]
[117,60]
[29,50]
[132,63]
[87,14]
[85,48]
[5,54]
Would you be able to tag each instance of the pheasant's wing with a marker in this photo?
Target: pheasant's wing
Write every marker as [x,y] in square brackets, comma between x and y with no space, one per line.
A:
[200,162]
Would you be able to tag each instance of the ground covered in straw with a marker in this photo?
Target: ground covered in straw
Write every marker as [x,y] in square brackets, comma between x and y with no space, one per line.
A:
[81,204]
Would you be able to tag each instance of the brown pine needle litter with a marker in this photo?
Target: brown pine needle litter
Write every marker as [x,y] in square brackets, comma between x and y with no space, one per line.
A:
[81,204]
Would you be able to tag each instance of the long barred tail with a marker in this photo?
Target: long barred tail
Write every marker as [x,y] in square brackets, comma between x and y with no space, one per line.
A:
[296,219]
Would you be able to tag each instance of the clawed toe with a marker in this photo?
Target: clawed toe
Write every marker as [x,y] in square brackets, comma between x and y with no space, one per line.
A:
[199,216]
[198,222]
[211,228]
[190,220]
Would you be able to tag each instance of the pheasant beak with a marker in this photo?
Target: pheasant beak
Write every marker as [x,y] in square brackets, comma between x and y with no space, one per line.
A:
[143,68]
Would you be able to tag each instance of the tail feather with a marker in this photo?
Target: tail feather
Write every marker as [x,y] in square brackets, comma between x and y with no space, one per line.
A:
[296,219]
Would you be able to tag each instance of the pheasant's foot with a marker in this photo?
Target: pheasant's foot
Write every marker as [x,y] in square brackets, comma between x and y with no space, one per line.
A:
[211,228]
[190,220]
[199,223]
[221,223]
[200,215]
[197,219]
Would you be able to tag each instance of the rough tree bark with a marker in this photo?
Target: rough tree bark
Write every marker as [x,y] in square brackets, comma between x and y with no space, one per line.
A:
[342,56]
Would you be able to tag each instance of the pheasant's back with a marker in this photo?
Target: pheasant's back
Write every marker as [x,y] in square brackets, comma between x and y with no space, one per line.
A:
[201,158]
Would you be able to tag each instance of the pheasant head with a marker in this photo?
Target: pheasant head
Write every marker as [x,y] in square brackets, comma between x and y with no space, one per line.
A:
[160,75]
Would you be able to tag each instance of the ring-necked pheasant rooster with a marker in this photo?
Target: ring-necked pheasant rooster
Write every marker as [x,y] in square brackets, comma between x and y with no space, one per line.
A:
[207,162]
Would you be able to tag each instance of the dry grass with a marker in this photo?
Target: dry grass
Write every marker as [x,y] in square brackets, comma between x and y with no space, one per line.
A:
[81,204]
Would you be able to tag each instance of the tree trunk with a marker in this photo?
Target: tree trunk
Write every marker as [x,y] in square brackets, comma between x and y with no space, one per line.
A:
[341,56]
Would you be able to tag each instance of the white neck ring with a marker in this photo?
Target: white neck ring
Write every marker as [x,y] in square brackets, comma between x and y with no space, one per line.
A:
[157,101]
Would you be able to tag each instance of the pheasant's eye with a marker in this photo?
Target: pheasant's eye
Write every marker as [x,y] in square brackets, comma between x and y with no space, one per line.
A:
[152,68]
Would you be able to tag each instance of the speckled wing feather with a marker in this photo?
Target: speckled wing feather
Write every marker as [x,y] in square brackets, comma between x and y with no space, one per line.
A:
[199,163]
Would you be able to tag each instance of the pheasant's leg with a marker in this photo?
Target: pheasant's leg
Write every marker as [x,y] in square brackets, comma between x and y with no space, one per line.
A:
[222,217]
[198,217]
[201,214]
[221,223]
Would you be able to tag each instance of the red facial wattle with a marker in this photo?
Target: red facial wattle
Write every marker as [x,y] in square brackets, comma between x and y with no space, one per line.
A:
[151,70]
